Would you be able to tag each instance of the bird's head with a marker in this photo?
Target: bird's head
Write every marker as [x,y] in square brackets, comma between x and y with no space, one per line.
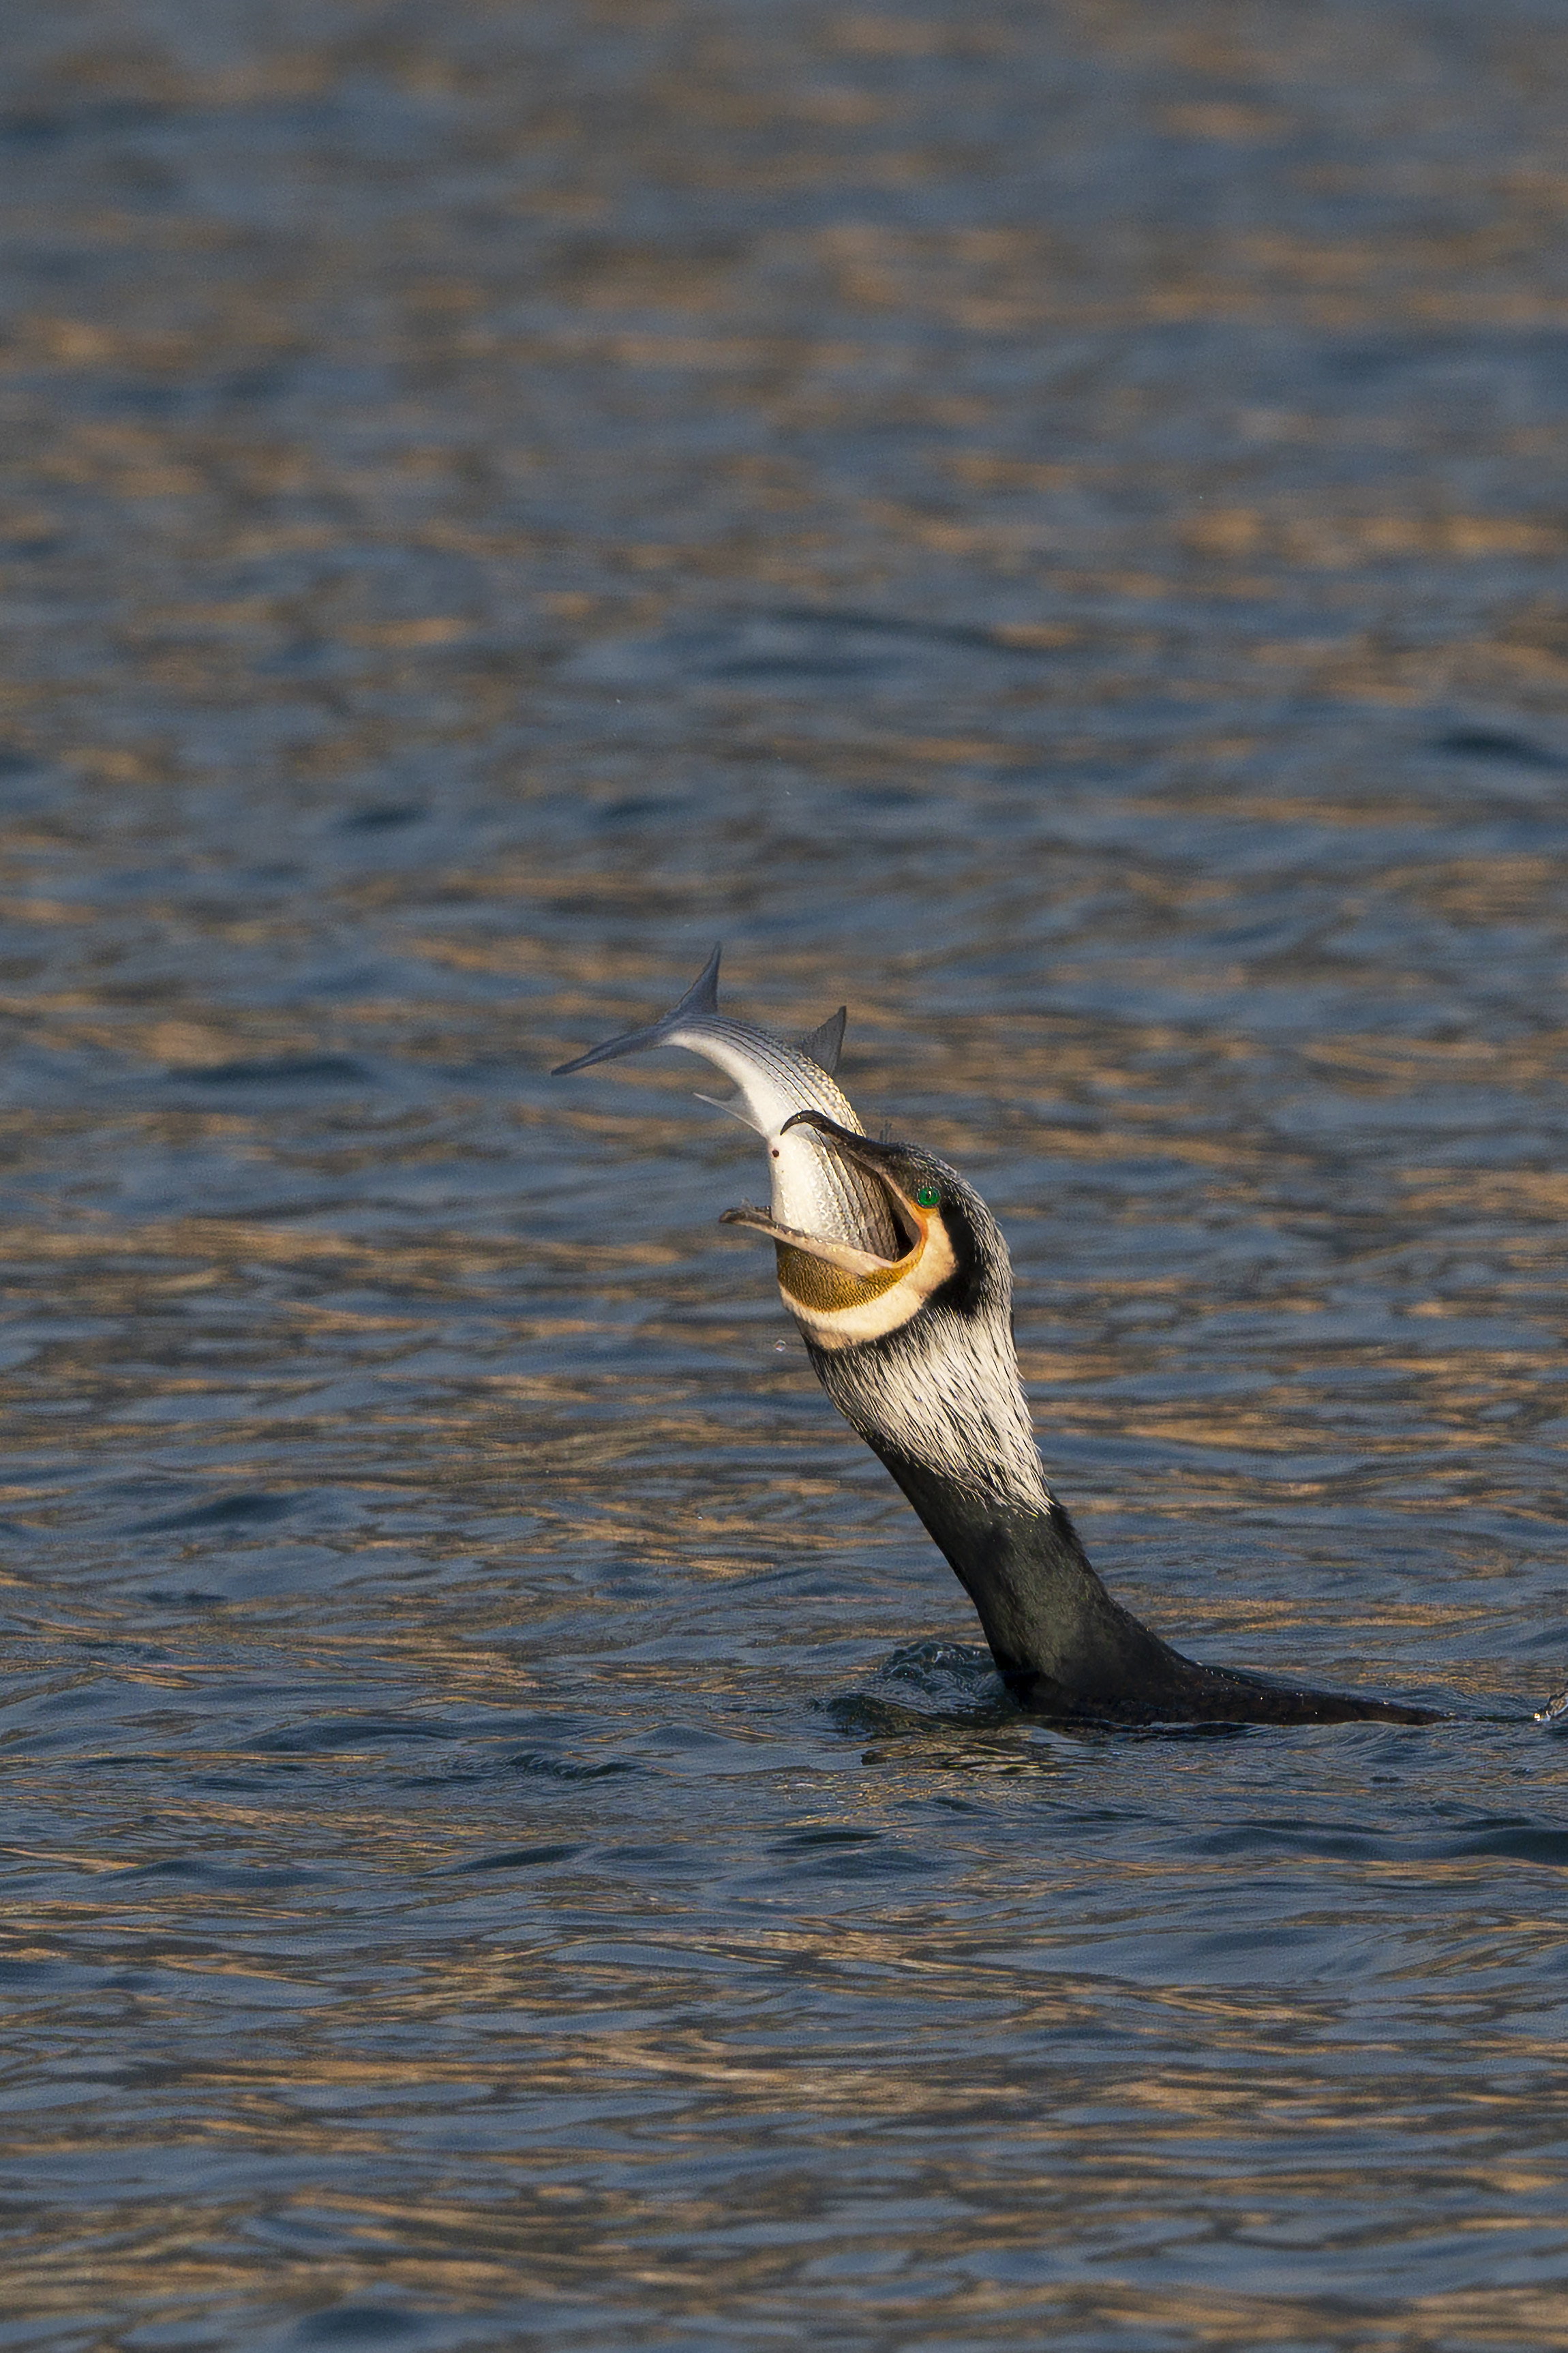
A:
[917,1351]
[954,1257]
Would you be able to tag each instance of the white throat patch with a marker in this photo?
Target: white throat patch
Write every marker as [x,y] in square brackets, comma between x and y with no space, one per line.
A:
[936,1383]
[944,1393]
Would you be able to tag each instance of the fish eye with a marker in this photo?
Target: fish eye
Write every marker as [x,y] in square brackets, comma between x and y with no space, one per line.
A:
[928,1197]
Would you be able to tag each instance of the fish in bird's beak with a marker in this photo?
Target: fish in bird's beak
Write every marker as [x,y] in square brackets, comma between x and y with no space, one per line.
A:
[813,1187]
[841,1294]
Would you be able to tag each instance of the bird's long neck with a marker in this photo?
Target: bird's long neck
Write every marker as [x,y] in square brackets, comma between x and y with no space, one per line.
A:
[1054,1630]
[946,1414]
[1064,1645]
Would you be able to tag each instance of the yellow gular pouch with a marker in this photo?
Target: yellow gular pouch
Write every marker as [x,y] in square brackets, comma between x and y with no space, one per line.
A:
[813,1284]
[841,1294]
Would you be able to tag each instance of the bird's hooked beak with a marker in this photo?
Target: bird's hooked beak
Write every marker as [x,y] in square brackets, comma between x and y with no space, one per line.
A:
[833,1285]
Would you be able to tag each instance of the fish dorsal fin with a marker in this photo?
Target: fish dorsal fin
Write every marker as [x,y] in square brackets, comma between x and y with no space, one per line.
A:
[702,997]
[825,1042]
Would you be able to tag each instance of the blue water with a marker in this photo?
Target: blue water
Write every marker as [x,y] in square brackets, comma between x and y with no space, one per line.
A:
[1039,525]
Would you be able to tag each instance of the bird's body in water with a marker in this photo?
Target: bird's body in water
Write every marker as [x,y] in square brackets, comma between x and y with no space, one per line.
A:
[899,1278]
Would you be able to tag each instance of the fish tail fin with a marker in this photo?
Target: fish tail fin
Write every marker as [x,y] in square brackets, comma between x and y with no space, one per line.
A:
[702,999]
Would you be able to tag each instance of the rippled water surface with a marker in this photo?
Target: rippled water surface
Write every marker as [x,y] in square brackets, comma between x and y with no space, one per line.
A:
[1041,522]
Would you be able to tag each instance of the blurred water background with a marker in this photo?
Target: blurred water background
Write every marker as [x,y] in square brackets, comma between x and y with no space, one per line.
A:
[1041,520]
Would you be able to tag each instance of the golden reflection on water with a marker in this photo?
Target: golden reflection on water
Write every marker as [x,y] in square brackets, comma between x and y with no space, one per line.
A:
[1035,524]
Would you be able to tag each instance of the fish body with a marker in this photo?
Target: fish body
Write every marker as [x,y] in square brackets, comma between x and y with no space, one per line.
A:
[815,1190]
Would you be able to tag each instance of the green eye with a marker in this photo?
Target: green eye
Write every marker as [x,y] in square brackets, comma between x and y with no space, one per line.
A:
[927,1197]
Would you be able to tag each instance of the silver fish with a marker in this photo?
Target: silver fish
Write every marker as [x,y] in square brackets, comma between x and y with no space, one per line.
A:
[815,1192]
